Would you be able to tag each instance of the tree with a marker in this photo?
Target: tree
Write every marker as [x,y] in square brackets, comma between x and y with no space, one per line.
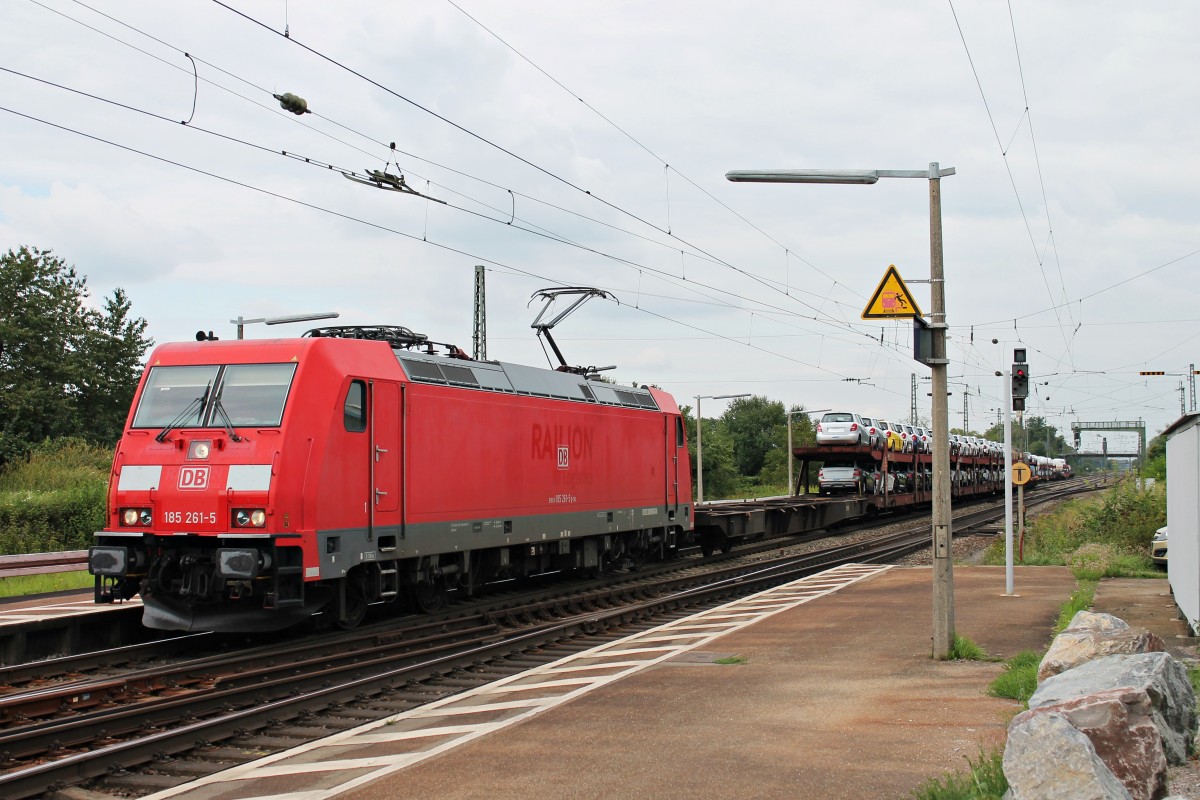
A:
[804,434]
[65,369]
[754,424]
[1035,435]
[111,366]
[720,474]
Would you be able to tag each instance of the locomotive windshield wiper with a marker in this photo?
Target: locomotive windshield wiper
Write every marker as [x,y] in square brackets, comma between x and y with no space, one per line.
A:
[192,407]
[219,407]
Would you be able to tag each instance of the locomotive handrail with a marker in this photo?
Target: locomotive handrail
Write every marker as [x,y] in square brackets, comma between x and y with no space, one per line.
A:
[42,563]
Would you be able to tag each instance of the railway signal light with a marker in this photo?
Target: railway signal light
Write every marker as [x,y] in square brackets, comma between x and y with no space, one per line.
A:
[1020,381]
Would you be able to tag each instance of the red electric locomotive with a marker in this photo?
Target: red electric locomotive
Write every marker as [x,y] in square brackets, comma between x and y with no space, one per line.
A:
[260,482]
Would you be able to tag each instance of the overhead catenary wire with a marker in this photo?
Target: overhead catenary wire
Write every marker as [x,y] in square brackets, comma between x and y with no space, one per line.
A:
[323,165]
[483,139]
[351,218]
[1008,166]
[511,215]
[666,166]
[699,253]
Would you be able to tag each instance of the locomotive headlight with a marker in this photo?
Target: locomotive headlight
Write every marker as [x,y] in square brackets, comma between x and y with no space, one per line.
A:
[199,449]
[249,518]
[136,517]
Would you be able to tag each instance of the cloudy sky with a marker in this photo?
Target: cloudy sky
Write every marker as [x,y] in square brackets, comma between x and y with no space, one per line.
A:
[586,143]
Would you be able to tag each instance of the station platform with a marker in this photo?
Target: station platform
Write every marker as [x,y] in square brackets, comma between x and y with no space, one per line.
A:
[824,687]
[34,628]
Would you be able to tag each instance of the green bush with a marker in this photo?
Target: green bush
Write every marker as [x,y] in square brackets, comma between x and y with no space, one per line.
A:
[1128,517]
[1091,562]
[59,464]
[54,500]
[47,522]
[1096,537]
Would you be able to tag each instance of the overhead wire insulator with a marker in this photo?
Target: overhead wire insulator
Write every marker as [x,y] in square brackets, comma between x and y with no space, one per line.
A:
[292,102]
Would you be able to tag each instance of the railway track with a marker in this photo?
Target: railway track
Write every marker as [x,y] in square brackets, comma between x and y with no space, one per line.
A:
[172,722]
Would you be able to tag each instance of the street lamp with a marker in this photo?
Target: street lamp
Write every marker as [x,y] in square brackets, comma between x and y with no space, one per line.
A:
[943,575]
[242,321]
[699,447]
[790,458]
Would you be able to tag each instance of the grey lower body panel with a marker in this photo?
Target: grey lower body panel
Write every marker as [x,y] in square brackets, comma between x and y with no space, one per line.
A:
[341,550]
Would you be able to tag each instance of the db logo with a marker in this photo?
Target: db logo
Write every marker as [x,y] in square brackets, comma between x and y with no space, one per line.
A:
[563,456]
[193,477]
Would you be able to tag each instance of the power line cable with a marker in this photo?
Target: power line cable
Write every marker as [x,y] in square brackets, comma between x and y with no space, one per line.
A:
[489,142]
[1008,168]
[1095,293]
[639,143]
[696,252]
[351,218]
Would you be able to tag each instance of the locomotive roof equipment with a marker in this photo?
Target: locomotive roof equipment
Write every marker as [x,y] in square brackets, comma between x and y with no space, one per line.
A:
[543,328]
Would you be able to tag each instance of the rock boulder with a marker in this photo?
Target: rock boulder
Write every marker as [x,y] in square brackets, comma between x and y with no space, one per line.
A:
[1120,725]
[1090,636]
[1163,679]
[1046,758]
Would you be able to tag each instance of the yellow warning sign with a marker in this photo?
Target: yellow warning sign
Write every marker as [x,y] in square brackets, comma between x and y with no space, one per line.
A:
[891,300]
[1021,473]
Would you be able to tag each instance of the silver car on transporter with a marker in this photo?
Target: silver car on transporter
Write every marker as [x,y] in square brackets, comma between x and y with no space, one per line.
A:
[841,427]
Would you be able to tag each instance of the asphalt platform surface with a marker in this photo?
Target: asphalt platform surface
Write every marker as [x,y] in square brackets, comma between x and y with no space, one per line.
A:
[836,698]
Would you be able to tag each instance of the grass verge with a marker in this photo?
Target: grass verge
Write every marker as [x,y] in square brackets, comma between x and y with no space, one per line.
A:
[984,780]
[963,649]
[44,584]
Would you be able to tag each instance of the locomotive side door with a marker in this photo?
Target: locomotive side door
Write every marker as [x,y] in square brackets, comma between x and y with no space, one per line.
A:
[675,439]
[385,457]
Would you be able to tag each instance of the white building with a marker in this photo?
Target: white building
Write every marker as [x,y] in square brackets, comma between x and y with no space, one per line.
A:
[1183,516]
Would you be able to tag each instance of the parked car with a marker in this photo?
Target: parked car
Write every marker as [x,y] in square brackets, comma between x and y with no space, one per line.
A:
[924,440]
[909,435]
[895,441]
[1158,548]
[841,427]
[849,479]
[876,436]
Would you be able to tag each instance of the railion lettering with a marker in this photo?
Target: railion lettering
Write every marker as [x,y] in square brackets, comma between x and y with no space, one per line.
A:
[547,439]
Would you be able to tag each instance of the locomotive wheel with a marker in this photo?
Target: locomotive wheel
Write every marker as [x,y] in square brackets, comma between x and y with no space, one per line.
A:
[430,596]
[356,603]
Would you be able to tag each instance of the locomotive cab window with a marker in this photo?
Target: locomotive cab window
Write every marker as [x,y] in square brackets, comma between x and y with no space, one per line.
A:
[175,396]
[680,437]
[254,394]
[355,409]
[214,395]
